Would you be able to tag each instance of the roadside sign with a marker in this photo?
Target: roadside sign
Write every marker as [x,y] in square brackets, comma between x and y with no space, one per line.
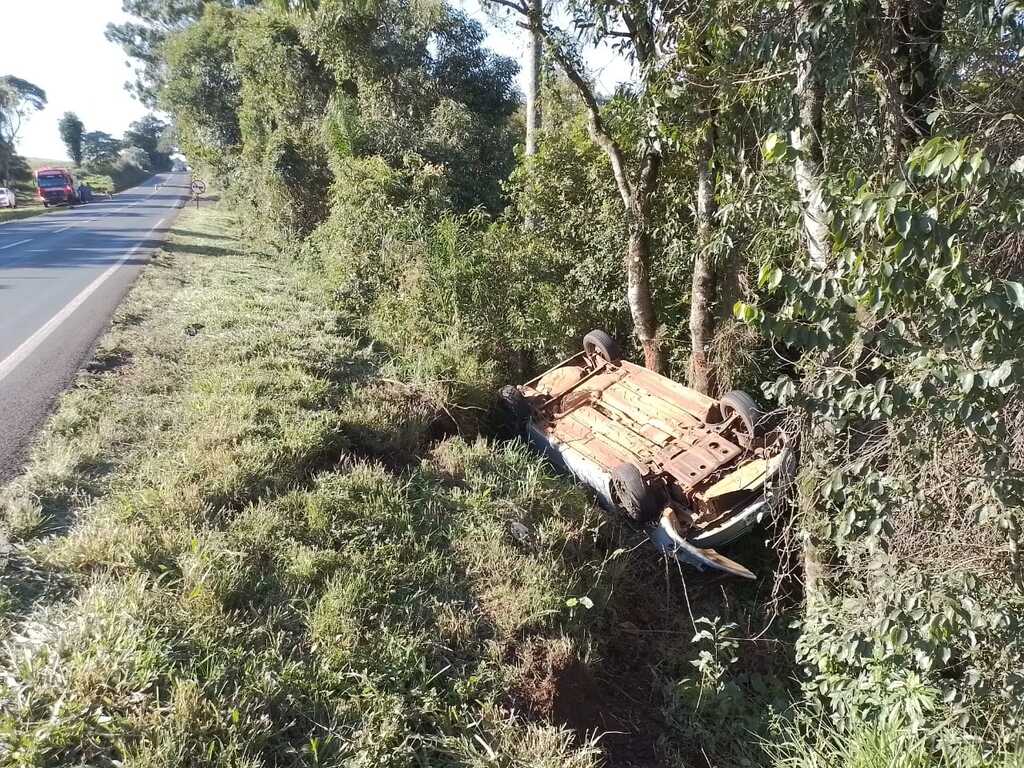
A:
[198,187]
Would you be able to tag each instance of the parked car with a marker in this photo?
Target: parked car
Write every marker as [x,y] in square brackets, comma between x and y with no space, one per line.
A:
[696,472]
[7,198]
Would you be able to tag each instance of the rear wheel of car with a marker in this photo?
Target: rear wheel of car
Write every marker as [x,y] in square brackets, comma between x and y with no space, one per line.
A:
[600,344]
[742,405]
[633,495]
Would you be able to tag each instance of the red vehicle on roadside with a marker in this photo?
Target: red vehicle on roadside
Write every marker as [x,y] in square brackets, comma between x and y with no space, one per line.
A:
[56,186]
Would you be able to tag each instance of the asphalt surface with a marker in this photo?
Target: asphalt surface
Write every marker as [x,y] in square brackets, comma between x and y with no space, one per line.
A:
[62,275]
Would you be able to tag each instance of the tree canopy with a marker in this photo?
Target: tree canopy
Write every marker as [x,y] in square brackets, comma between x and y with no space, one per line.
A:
[72,130]
[18,98]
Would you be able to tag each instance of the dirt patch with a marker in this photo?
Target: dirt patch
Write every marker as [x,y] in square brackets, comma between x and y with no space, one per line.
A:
[109,360]
[556,685]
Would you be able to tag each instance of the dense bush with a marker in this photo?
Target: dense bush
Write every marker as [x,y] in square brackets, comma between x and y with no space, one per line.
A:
[128,170]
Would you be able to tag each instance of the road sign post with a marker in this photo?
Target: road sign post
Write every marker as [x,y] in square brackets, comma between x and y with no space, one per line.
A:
[198,187]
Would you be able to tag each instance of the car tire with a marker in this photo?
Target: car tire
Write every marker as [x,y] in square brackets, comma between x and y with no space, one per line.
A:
[737,403]
[633,495]
[518,407]
[600,344]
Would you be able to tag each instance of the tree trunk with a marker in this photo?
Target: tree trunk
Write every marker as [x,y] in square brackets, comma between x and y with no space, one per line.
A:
[703,290]
[809,165]
[636,203]
[533,61]
[638,293]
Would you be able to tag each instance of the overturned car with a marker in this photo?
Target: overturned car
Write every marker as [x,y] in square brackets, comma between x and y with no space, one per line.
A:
[697,472]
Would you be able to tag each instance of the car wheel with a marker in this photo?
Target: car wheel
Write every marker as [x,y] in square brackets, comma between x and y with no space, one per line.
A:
[741,404]
[633,495]
[600,344]
[517,406]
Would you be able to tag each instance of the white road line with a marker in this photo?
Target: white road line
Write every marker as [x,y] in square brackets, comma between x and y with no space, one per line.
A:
[30,344]
[11,245]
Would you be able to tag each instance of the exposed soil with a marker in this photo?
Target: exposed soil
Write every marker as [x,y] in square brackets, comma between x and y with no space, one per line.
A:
[108,360]
[563,689]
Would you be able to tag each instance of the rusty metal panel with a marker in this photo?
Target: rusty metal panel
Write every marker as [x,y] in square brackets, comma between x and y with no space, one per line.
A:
[706,453]
[604,427]
[691,401]
[580,436]
[671,414]
[629,408]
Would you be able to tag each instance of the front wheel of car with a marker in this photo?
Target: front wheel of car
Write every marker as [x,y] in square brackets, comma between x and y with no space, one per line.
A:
[742,406]
[633,495]
[600,344]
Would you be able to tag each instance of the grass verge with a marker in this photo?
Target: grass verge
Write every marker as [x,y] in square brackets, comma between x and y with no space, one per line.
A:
[245,539]
[208,562]
[21,212]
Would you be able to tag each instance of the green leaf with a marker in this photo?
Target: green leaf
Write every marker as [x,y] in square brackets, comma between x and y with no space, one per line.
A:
[936,277]
[904,220]
[1015,293]
[743,311]
[951,155]
[934,166]
[773,148]
[967,379]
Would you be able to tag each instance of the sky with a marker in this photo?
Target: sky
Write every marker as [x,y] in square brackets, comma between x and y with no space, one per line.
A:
[79,70]
[82,72]
[607,67]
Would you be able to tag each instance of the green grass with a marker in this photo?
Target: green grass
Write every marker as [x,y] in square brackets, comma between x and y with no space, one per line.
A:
[883,745]
[213,560]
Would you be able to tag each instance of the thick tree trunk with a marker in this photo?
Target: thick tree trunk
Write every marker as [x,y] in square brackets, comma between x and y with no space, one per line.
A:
[638,293]
[809,166]
[533,62]
[703,290]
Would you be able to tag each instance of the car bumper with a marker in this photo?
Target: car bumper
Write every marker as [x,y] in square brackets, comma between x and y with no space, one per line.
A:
[597,479]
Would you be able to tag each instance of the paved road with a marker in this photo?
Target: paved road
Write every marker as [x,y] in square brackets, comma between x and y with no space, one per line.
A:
[62,275]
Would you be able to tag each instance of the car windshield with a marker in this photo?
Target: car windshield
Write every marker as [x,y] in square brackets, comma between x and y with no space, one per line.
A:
[51,182]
